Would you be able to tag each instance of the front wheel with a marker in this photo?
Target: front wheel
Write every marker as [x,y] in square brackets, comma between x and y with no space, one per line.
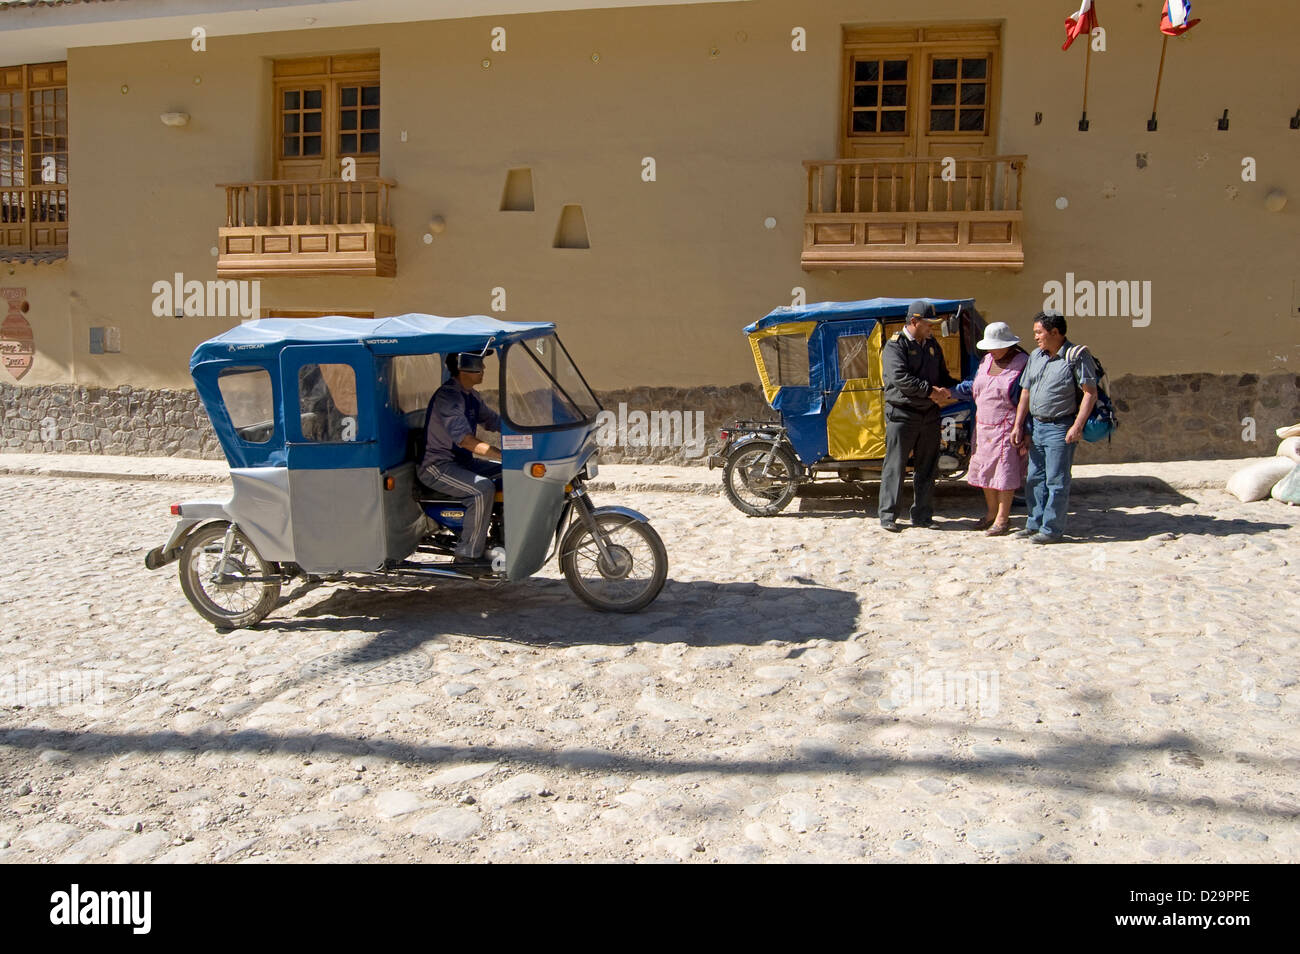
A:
[221,593]
[626,580]
[756,488]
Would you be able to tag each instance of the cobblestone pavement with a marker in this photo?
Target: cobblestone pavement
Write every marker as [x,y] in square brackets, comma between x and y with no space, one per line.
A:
[806,688]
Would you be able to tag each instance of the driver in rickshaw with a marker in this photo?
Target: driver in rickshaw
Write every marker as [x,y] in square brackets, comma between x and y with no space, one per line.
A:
[456,462]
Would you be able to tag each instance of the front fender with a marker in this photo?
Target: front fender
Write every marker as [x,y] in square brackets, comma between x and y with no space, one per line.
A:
[622,512]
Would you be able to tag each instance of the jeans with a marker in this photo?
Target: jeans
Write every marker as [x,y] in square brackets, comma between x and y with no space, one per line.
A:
[1047,490]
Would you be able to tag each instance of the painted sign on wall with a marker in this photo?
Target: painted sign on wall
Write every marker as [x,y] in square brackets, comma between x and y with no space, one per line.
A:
[17,343]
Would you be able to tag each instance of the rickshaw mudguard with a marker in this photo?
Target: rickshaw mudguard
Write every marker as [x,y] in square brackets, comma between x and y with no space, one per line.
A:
[622,512]
[534,505]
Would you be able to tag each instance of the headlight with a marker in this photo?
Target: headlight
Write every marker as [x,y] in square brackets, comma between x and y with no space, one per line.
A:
[591,470]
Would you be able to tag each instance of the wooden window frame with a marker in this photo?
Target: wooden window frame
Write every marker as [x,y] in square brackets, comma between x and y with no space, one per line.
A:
[921,46]
[24,82]
[329,74]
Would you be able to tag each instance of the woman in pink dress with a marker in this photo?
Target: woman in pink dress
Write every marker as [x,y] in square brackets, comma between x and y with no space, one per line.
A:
[997,466]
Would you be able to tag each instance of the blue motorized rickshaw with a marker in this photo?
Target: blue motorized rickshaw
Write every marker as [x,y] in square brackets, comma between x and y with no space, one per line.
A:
[821,370]
[322,422]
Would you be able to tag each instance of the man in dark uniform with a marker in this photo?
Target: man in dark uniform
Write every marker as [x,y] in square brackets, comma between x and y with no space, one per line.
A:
[450,464]
[915,377]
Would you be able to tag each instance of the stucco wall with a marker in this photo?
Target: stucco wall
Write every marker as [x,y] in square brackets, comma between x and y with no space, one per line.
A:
[676,267]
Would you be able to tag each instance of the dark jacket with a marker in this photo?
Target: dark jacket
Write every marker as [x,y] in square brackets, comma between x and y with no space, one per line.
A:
[911,370]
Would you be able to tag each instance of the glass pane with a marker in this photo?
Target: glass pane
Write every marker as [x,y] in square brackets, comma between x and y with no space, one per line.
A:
[893,95]
[944,69]
[972,120]
[311,122]
[327,402]
[854,357]
[943,94]
[349,95]
[348,119]
[369,142]
[292,99]
[311,145]
[866,71]
[974,69]
[246,392]
[370,119]
[864,122]
[291,122]
[348,144]
[370,96]
[895,121]
[415,378]
[896,69]
[866,95]
[290,146]
[785,358]
[943,120]
[972,94]
[311,98]
[532,398]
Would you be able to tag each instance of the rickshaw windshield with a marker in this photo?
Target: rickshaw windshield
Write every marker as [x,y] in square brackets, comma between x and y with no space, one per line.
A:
[543,387]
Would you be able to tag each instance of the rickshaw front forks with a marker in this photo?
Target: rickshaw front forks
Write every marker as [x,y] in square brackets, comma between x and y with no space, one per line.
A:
[583,505]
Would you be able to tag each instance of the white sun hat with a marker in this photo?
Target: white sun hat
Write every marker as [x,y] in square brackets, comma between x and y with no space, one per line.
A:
[998,335]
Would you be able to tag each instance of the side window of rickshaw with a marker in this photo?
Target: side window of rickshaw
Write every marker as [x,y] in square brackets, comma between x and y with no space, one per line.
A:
[785,357]
[327,402]
[415,377]
[249,401]
[855,362]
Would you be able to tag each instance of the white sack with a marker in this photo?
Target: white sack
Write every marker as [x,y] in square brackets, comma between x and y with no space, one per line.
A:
[1255,481]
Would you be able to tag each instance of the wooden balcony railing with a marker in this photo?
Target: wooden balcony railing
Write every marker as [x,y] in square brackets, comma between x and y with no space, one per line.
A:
[307,227]
[914,213]
[34,218]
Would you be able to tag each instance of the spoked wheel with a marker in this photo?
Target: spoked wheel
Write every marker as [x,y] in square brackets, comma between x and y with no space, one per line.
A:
[754,491]
[626,580]
[237,602]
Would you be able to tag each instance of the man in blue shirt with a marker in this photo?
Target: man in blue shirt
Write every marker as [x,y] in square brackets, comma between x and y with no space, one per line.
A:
[1059,393]
[450,464]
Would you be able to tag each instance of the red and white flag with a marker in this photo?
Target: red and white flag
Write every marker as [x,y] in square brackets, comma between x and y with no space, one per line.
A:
[1080,24]
[1177,17]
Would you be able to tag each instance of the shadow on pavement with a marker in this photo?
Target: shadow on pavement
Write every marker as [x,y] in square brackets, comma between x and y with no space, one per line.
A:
[1083,766]
[545,612]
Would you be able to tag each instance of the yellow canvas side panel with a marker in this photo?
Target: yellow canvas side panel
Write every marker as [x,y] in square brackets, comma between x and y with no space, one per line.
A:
[855,427]
[804,328]
[951,347]
[876,345]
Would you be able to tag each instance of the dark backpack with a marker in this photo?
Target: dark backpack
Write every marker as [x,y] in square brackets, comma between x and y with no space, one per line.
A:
[1103,420]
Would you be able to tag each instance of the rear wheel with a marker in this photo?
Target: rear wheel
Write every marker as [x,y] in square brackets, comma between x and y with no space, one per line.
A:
[236,602]
[756,489]
[629,578]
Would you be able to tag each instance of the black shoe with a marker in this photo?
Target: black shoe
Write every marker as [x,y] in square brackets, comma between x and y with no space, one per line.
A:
[891,526]
[923,524]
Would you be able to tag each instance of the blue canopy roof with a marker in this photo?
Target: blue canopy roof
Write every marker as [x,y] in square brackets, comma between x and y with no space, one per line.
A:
[404,334]
[845,310]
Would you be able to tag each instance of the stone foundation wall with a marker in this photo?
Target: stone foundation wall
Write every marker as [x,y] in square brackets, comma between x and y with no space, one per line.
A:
[65,418]
[1170,417]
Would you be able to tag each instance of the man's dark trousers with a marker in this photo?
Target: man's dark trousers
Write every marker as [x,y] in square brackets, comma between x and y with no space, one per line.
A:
[914,433]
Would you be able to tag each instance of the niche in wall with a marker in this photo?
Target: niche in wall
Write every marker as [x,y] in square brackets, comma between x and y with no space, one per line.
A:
[518,193]
[572,230]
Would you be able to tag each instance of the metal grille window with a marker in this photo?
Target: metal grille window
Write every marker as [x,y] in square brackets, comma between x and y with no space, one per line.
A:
[34,157]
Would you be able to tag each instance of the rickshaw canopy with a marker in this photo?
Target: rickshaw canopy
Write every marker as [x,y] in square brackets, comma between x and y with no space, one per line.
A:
[820,367]
[404,334]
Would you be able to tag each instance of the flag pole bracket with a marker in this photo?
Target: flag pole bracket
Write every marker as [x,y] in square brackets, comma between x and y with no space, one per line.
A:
[1223,122]
[1152,125]
[1295,120]
[1083,123]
